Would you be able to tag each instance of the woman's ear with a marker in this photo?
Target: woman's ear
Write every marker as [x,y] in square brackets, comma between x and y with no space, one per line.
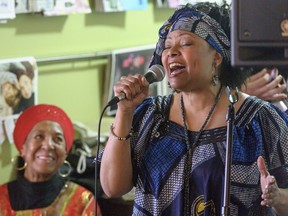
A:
[22,151]
[218,59]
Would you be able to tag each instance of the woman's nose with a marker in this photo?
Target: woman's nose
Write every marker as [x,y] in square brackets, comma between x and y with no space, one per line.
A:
[173,51]
[48,143]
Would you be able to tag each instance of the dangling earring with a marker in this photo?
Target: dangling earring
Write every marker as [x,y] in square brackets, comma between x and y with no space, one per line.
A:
[63,175]
[173,90]
[169,85]
[14,161]
[215,77]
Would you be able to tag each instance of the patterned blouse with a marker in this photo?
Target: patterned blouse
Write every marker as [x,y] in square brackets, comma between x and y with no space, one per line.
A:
[159,152]
[72,200]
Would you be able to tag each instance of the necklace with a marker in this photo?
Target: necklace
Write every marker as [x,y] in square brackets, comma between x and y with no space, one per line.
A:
[190,149]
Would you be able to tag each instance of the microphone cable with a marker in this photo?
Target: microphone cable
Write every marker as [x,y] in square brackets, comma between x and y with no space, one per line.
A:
[96,159]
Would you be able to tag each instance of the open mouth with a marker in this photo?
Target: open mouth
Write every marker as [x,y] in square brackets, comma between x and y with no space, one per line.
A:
[175,67]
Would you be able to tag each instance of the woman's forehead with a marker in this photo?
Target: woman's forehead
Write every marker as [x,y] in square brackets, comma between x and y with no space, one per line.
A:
[47,125]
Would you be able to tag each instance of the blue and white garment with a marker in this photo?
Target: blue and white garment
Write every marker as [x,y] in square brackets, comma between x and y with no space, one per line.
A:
[159,152]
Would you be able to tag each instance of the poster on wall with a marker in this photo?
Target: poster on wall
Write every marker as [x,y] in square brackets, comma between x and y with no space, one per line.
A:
[18,91]
[66,7]
[21,6]
[120,5]
[129,62]
[7,10]
[176,3]
[53,7]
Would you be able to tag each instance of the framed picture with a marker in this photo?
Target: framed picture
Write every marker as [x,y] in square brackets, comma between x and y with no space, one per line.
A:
[176,3]
[120,5]
[131,61]
[18,85]
[18,91]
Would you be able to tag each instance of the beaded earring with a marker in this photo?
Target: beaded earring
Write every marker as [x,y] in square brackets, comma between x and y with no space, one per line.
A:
[215,77]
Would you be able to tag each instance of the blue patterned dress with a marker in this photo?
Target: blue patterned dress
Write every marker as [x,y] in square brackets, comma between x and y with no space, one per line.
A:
[159,152]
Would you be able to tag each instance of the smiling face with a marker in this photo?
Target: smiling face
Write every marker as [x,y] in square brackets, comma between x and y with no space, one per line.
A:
[188,60]
[44,151]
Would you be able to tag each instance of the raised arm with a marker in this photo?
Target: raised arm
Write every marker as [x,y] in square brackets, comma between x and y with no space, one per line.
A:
[116,165]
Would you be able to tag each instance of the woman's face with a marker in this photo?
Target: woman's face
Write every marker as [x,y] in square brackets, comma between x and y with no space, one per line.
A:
[44,151]
[9,90]
[25,84]
[188,60]
[10,94]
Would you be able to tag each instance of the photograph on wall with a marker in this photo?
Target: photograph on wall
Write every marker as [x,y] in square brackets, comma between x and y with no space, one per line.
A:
[22,6]
[7,10]
[129,62]
[53,7]
[66,7]
[18,81]
[120,5]
[176,3]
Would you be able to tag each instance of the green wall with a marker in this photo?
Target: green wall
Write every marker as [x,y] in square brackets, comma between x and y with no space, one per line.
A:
[75,85]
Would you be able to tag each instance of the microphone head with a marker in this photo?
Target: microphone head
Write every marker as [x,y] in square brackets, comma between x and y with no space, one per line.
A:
[155,73]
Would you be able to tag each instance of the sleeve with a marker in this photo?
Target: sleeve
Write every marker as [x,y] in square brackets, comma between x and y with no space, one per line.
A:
[5,206]
[79,200]
[275,138]
[147,119]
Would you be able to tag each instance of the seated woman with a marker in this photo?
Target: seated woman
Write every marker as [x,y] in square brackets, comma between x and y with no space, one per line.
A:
[43,136]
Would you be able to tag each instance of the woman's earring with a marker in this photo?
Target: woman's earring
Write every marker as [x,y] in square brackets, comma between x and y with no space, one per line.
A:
[215,77]
[16,161]
[173,90]
[169,85]
[67,173]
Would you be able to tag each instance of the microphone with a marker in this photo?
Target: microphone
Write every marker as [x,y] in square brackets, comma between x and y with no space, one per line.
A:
[154,74]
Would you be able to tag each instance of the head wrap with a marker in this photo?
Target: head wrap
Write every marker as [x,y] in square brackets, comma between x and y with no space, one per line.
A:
[188,18]
[37,113]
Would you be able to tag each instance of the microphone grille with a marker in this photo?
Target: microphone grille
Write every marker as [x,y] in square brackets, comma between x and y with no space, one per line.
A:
[158,71]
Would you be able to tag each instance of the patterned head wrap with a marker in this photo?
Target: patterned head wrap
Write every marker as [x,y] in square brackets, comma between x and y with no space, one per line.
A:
[37,113]
[187,18]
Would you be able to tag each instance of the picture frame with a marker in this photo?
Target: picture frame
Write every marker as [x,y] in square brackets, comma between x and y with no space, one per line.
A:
[18,91]
[18,85]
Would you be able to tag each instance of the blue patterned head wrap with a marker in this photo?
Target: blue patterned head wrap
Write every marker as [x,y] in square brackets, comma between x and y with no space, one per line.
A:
[188,18]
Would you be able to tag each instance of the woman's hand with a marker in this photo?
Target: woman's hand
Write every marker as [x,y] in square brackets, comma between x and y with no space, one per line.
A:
[272,195]
[266,85]
[270,189]
[135,88]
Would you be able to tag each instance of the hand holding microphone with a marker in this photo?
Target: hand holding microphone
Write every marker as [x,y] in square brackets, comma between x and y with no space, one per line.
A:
[154,74]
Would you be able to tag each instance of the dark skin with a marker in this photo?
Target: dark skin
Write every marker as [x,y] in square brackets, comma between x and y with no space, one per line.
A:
[266,86]
[44,151]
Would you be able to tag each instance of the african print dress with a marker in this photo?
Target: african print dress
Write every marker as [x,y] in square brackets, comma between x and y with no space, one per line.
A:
[159,153]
